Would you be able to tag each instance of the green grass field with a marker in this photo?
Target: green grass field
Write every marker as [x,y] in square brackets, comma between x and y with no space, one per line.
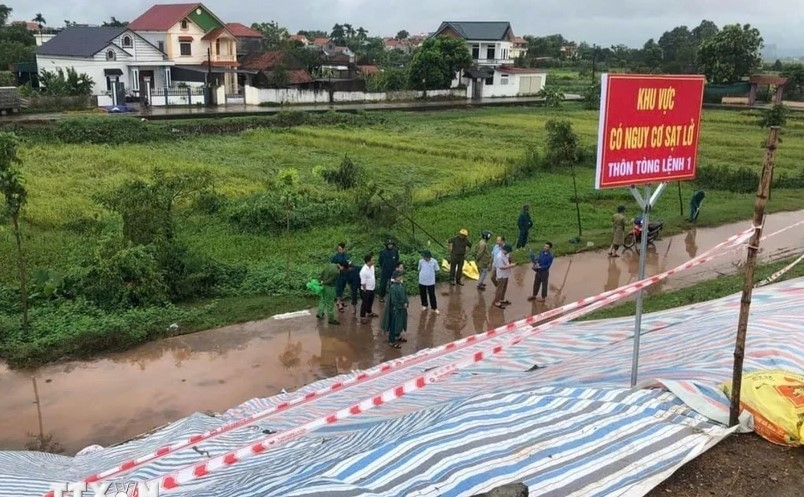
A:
[452,159]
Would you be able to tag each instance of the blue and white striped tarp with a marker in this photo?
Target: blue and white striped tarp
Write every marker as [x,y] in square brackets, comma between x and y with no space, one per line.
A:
[571,427]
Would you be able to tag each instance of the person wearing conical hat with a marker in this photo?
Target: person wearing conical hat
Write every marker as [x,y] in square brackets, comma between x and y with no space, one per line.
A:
[458,246]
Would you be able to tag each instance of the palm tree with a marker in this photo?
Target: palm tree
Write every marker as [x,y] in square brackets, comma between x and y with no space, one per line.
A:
[349,31]
[40,20]
[362,33]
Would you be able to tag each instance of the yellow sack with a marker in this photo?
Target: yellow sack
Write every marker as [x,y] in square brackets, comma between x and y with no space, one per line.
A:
[469,269]
[776,400]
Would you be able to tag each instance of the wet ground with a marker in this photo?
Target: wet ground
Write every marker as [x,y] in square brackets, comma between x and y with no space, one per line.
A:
[119,396]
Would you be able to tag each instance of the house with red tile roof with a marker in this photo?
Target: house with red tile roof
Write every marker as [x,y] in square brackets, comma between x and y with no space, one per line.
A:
[300,39]
[248,40]
[195,39]
[262,67]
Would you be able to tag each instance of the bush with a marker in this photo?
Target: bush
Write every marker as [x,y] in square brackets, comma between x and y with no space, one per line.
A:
[345,177]
[742,180]
[78,329]
[129,277]
[264,212]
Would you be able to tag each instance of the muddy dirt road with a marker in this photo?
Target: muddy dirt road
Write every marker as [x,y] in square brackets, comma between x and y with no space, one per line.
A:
[118,396]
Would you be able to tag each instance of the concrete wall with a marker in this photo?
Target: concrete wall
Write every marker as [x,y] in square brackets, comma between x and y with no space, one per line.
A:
[257,96]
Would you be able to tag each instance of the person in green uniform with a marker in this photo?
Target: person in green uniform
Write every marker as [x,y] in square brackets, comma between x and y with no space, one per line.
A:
[329,277]
[395,317]
[618,224]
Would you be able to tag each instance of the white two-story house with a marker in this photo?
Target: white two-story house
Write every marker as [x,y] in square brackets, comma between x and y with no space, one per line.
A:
[492,45]
[198,42]
[112,57]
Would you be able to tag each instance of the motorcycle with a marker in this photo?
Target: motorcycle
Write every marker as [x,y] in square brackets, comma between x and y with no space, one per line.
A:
[635,236]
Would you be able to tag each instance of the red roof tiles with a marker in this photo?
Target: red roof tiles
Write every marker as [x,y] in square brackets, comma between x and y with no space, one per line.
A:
[261,61]
[162,17]
[242,31]
[320,41]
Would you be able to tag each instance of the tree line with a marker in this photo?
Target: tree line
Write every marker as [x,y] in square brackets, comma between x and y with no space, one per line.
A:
[725,55]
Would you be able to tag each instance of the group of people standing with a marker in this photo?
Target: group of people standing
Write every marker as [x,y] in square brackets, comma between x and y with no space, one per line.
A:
[492,261]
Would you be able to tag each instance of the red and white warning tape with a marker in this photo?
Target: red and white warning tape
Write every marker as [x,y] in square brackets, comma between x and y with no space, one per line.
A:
[199,470]
[775,276]
[361,378]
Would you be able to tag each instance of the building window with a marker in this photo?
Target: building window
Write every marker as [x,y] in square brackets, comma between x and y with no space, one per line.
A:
[110,55]
[185,48]
[504,79]
[135,79]
[161,46]
[127,42]
[490,81]
[490,53]
[475,51]
[184,24]
[218,47]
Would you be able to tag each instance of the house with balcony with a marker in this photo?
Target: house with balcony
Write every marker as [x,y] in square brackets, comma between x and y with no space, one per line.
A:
[202,47]
[492,74]
[120,62]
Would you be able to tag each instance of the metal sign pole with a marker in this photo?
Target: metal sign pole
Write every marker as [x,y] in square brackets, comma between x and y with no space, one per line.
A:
[646,203]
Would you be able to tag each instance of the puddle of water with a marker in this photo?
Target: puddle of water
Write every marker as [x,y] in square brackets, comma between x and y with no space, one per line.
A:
[121,395]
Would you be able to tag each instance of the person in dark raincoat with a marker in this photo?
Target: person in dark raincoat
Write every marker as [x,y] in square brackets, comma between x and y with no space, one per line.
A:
[395,317]
[389,258]
[524,223]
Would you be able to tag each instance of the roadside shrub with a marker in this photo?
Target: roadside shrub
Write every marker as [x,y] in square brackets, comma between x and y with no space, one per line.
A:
[130,277]
[111,130]
[79,329]
[742,180]
[533,160]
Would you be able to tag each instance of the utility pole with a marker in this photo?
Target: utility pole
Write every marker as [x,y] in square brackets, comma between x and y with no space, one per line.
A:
[750,267]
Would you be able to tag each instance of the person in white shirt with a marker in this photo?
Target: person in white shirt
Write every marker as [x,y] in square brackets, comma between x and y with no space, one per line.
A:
[368,282]
[502,267]
[428,267]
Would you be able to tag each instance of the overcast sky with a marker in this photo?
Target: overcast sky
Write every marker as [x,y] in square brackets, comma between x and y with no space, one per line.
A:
[598,21]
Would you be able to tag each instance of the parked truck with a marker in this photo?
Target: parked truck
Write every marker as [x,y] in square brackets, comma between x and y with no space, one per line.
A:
[9,99]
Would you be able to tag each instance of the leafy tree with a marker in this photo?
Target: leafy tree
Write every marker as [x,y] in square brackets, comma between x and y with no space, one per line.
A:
[704,31]
[777,66]
[39,19]
[291,193]
[5,13]
[338,34]
[274,36]
[562,152]
[15,196]
[731,54]
[280,76]
[794,89]
[114,23]
[651,56]
[392,79]
[402,35]
[313,34]
[436,62]
[14,53]
[678,50]
[553,97]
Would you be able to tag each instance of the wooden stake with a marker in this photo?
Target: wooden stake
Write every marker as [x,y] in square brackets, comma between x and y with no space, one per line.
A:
[750,267]
[38,410]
